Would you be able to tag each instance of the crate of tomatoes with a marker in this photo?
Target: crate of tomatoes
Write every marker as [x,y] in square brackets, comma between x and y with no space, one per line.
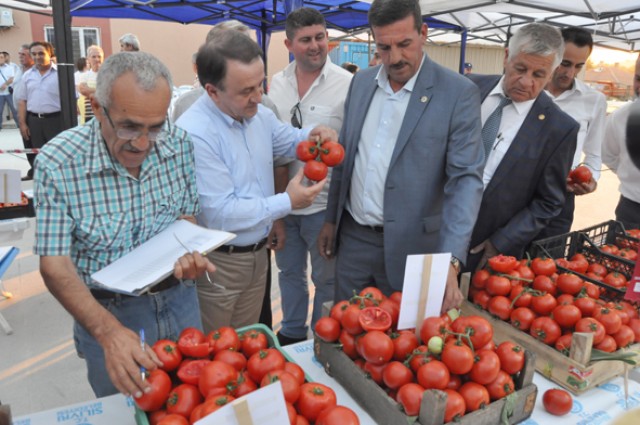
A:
[577,253]
[580,339]
[451,371]
[612,238]
[203,373]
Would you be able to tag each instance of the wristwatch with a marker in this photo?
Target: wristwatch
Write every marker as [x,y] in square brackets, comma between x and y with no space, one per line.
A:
[456,264]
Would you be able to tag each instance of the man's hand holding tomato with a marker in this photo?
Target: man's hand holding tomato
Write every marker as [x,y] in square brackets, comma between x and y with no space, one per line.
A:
[300,195]
[580,181]
[323,133]
[488,251]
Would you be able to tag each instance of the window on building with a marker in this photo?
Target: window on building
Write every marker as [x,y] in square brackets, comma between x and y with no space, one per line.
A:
[82,37]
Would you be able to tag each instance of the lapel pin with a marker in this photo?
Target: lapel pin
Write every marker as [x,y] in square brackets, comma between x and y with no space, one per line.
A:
[424,99]
[541,117]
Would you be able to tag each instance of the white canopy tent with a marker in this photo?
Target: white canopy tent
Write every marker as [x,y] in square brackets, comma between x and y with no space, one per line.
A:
[613,23]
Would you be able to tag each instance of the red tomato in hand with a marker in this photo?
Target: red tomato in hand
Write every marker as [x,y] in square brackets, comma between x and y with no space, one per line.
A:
[168,353]
[315,170]
[160,387]
[557,402]
[331,153]
[307,150]
[580,174]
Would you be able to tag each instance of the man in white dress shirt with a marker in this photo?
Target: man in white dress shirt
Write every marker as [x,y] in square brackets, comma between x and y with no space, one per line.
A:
[589,108]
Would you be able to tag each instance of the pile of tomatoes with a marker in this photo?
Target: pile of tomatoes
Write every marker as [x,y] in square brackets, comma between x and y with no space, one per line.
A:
[550,305]
[457,355]
[318,157]
[201,373]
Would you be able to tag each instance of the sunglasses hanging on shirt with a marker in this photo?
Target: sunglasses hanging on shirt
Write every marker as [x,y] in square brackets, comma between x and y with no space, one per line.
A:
[296,116]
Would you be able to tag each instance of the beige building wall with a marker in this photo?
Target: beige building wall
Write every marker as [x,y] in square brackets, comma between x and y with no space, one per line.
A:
[11,38]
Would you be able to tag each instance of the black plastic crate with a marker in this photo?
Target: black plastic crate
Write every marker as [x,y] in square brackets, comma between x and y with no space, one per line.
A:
[567,245]
[611,233]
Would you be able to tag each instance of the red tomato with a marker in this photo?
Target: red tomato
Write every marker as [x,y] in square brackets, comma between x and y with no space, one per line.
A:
[263,362]
[253,341]
[307,150]
[193,343]
[331,153]
[393,308]
[520,297]
[557,402]
[615,279]
[457,357]
[410,397]
[545,266]
[296,371]
[301,420]
[475,396]
[624,336]
[173,419]
[328,329]
[216,375]
[419,357]
[563,344]
[589,324]
[290,385]
[214,403]
[395,374]
[609,319]
[567,315]
[351,319]
[501,387]
[580,174]
[543,304]
[404,342]
[224,338]
[586,305]
[377,347]
[243,385]
[455,407]
[233,358]
[315,170]
[500,306]
[545,329]
[160,386]
[315,398]
[478,328]
[168,353]
[498,285]
[155,417]
[338,309]
[597,268]
[348,344]
[485,368]
[371,296]
[189,371]
[503,263]
[608,344]
[545,284]
[511,357]
[338,415]
[433,326]
[433,374]
[569,283]
[374,372]
[479,279]
[522,317]
[481,298]
[183,399]
[374,319]
[397,297]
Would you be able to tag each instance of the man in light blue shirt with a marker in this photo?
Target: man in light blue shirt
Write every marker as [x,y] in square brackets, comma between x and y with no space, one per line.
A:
[235,139]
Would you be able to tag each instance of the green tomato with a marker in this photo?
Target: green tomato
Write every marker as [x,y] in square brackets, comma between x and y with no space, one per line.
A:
[435,344]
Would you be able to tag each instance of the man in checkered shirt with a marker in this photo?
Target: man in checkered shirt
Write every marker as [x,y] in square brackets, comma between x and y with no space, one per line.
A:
[102,189]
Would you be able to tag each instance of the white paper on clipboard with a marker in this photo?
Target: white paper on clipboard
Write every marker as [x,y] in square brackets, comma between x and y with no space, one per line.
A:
[411,290]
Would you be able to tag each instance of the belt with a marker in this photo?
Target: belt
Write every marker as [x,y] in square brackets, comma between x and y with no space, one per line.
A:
[377,229]
[170,282]
[230,249]
[43,115]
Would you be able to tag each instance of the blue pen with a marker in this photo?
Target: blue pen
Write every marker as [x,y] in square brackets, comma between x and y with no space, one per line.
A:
[143,371]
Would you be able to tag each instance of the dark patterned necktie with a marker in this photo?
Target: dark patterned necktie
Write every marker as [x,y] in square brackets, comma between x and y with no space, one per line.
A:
[491,127]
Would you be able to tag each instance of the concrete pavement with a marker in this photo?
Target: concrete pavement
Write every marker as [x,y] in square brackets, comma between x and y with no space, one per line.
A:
[39,369]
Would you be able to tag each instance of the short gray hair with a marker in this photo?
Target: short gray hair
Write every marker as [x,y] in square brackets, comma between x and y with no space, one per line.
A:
[231,24]
[94,47]
[537,39]
[131,40]
[145,67]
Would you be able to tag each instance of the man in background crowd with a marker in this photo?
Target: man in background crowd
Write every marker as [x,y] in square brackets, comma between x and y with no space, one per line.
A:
[311,90]
[7,75]
[413,158]
[616,156]
[529,144]
[589,108]
[86,84]
[129,43]
[26,62]
[39,98]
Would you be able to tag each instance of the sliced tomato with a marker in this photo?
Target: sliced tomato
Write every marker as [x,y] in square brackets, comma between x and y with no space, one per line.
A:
[190,370]
[374,319]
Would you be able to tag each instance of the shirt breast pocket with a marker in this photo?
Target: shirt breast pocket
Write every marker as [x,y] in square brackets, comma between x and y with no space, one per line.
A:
[105,231]
[326,115]
[167,211]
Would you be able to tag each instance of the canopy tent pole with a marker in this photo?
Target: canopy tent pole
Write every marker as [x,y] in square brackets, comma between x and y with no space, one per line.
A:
[64,56]
[463,50]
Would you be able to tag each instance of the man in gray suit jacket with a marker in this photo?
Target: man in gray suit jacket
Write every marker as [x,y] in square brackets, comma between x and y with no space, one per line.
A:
[411,181]
[530,153]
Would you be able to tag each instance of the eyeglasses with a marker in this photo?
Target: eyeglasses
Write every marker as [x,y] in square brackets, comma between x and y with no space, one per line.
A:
[296,116]
[128,134]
